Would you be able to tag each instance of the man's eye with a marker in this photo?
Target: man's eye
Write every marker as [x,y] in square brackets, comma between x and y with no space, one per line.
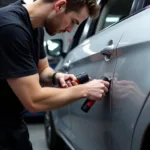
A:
[73,22]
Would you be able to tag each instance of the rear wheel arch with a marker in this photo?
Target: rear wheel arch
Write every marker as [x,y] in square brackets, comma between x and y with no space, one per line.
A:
[145,144]
[54,141]
[141,135]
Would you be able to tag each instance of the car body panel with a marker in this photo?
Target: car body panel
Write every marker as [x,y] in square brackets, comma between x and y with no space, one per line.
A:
[132,86]
[83,57]
[143,123]
[110,124]
[90,130]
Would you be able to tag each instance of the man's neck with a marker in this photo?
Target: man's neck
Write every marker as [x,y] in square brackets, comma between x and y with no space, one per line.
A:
[38,12]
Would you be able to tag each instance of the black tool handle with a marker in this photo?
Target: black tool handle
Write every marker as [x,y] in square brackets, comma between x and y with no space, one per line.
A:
[82,78]
[89,103]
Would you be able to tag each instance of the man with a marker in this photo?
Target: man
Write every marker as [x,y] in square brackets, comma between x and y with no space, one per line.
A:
[23,64]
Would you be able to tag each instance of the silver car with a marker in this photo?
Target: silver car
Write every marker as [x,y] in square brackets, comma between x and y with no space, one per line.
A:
[119,50]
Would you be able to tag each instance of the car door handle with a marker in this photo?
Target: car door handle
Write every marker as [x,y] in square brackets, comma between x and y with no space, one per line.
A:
[108,50]
[66,66]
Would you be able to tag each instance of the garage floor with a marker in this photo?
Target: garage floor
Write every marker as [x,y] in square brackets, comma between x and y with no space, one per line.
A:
[37,136]
[37,133]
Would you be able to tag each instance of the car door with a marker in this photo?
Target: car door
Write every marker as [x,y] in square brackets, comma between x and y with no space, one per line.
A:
[132,79]
[92,130]
[89,129]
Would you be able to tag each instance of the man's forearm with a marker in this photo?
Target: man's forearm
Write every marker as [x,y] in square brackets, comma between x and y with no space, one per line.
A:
[46,76]
[54,98]
[36,98]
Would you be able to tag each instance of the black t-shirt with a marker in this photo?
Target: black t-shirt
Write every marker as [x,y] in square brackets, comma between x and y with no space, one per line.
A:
[21,47]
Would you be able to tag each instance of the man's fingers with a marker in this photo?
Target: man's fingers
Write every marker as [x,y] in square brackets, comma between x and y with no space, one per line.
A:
[69,83]
[63,83]
[71,77]
[90,78]
[74,83]
[105,89]
[103,92]
[106,83]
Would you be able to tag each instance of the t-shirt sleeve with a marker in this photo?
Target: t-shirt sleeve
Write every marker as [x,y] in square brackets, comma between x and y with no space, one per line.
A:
[42,50]
[15,53]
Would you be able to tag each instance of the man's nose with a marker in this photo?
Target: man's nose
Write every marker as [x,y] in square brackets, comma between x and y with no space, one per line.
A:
[69,29]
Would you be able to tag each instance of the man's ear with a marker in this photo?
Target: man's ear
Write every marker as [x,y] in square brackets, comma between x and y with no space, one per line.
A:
[60,5]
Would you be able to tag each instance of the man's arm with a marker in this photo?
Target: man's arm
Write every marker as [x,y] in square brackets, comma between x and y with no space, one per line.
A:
[37,99]
[45,71]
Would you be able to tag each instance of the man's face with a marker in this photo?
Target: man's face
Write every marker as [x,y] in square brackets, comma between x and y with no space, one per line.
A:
[60,21]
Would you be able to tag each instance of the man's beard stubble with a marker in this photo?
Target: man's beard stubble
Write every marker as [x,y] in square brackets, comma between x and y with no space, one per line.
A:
[53,27]
[50,32]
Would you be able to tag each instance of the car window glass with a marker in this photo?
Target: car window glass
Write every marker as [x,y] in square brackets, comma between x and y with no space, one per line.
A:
[77,36]
[82,31]
[115,11]
[147,3]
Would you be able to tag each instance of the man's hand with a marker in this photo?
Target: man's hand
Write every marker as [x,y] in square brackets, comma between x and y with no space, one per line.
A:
[62,79]
[96,89]
[47,72]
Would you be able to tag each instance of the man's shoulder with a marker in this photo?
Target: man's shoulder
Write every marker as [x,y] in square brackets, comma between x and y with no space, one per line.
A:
[14,34]
[14,30]
[14,15]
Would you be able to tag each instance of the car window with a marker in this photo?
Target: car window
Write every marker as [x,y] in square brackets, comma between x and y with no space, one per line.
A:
[113,12]
[82,32]
[147,3]
[77,36]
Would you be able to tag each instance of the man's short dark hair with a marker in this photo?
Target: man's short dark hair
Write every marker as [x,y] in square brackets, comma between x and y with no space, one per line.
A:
[77,5]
